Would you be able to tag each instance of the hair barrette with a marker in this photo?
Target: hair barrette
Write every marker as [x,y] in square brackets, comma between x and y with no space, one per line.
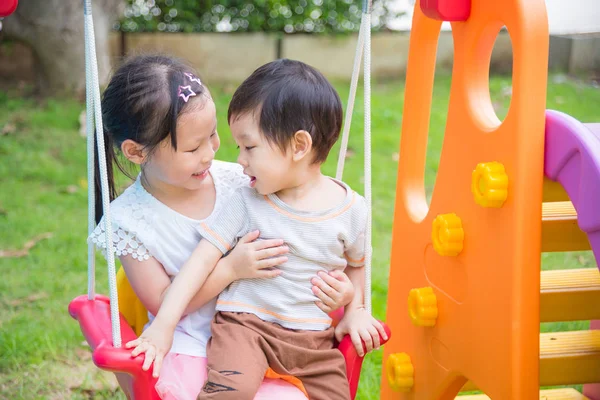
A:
[185,92]
[193,78]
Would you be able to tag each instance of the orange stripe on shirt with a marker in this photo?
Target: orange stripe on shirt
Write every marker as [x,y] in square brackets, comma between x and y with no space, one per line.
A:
[361,261]
[326,321]
[216,236]
[310,219]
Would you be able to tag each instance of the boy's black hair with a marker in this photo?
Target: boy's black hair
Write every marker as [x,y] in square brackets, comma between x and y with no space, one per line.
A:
[287,96]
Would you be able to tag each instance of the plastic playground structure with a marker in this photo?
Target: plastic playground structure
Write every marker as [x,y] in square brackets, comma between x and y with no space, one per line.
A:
[465,295]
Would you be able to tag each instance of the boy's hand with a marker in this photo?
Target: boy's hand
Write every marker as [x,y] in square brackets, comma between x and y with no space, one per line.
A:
[155,342]
[250,259]
[333,289]
[361,326]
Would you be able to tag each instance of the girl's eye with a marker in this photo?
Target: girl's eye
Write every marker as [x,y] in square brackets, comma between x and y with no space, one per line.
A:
[193,151]
[213,134]
[250,148]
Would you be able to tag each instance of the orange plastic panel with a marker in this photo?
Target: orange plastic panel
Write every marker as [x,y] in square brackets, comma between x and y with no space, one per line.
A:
[487,328]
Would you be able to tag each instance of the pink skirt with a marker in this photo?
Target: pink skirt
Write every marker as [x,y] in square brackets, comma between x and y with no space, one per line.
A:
[182,378]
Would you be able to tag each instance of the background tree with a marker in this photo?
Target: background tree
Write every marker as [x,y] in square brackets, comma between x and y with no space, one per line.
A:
[54,31]
[289,16]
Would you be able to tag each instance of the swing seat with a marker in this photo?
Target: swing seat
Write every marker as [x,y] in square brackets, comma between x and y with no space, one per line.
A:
[7,7]
[94,320]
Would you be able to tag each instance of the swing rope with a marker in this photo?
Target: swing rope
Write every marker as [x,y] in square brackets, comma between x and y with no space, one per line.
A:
[94,115]
[93,103]
[363,46]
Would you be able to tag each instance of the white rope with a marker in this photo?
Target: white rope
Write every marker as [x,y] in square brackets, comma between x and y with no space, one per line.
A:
[351,97]
[89,129]
[112,280]
[367,134]
[363,46]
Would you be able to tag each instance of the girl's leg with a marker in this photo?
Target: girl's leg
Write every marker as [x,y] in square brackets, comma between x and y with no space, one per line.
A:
[181,377]
[278,389]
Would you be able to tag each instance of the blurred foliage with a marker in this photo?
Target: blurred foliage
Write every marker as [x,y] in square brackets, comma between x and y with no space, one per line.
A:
[306,16]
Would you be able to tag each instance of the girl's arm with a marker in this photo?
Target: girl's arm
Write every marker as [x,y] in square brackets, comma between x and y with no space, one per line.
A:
[186,284]
[334,290]
[157,339]
[148,280]
[248,259]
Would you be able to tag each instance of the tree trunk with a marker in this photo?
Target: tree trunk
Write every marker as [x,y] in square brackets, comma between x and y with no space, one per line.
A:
[54,31]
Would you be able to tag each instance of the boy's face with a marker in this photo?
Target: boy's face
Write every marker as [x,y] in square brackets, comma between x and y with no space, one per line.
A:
[266,165]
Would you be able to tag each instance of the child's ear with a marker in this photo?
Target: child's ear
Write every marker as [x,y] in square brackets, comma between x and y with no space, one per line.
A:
[133,151]
[301,145]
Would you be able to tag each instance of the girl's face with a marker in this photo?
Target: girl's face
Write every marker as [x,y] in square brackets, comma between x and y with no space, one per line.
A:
[197,142]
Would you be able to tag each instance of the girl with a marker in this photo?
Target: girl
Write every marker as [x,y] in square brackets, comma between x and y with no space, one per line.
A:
[162,117]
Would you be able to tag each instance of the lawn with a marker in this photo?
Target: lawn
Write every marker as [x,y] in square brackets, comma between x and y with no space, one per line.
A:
[43,199]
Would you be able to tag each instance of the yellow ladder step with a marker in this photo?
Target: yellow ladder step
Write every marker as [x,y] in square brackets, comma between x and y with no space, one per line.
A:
[551,394]
[570,295]
[560,231]
[553,191]
[566,358]
[569,358]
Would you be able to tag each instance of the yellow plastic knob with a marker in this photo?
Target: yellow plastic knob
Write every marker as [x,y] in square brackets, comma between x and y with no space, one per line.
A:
[422,306]
[489,184]
[447,235]
[400,372]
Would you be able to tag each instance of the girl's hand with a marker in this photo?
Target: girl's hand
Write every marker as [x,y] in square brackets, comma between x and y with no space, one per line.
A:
[333,289]
[362,327]
[155,342]
[253,259]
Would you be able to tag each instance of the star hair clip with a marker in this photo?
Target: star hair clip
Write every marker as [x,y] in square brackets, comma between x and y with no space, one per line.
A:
[185,92]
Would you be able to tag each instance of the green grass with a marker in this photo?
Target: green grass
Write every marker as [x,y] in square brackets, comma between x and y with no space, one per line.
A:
[41,172]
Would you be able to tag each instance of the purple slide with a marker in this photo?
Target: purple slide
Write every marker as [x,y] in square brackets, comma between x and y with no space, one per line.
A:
[572,158]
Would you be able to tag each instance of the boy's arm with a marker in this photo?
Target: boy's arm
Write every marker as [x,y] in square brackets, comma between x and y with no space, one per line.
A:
[357,277]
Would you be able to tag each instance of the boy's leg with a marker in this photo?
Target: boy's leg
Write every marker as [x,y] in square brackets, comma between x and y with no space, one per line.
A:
[236,361]
[306,355]
[325,378]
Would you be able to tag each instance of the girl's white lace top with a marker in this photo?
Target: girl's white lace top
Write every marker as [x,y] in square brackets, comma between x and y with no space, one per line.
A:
[143,227]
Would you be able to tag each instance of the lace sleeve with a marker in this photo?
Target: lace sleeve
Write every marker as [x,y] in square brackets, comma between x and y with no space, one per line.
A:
[124,242]
[231,178]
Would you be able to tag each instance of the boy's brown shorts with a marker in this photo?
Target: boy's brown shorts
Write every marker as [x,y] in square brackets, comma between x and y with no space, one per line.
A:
[243,347]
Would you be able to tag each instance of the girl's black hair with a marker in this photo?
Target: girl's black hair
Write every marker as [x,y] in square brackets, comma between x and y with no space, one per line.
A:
[142,103]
